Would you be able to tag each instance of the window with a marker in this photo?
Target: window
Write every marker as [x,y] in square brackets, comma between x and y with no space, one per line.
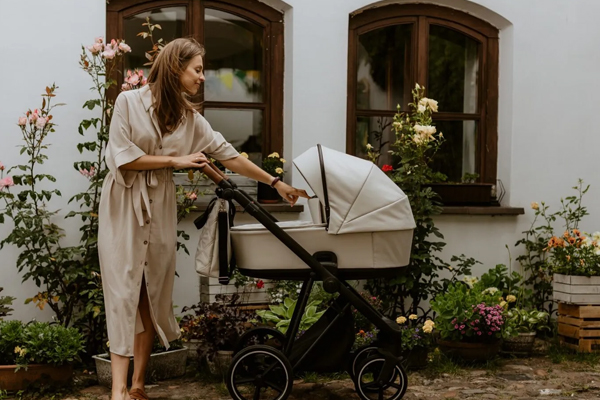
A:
[243,93]
[453,54]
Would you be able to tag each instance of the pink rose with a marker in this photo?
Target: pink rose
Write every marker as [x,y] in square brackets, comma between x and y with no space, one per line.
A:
[141,73]
[125,87]
[144,82]
[99,39]
[192,196]
[109,54]
[41,122]
[132,79]
[34,116]
[124,48]
[23,121]
[96,48]
[6,182]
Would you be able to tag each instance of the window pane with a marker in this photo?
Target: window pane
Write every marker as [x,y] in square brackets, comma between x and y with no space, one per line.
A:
[383,70]
[242,128]
[453,70]
[458,154]
[234,58]
[172,22]
[376,132]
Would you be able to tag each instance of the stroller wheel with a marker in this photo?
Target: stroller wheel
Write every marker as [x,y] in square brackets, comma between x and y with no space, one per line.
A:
[261,335]
[371,385]
[260,373]
[361,354]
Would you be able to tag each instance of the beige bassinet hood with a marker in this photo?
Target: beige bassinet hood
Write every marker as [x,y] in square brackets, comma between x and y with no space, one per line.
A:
[360,197]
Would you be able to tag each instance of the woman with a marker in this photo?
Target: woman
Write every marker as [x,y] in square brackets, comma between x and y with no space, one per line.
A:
[153,131]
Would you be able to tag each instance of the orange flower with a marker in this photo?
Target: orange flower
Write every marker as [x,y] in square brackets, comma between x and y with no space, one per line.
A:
[568,258]
[572,240]
[566,234]
[581,262]
[576,232]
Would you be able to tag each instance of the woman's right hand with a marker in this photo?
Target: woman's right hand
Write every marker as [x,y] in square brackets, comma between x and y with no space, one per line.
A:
[196,160]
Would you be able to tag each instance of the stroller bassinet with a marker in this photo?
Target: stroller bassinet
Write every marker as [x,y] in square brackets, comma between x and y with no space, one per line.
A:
[358,214]
[361,228]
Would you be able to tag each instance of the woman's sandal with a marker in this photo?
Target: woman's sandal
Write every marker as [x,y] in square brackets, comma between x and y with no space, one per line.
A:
[138,394]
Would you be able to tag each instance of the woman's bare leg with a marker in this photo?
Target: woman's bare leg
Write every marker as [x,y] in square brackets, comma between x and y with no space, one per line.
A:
[119,366]
[142,346]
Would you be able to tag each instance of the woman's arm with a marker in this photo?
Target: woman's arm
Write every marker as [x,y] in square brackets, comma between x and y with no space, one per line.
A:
[146,163]
[243,166]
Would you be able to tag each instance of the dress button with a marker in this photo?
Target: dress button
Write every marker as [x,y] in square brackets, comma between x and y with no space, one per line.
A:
[160,146]
[147,221]
[150,201]
[146,263]
[145,242]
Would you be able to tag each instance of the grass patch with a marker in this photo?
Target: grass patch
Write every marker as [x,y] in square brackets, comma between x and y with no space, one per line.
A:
[559,354]
[313,377]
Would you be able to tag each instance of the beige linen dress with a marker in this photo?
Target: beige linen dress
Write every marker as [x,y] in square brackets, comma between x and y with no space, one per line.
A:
[137,217]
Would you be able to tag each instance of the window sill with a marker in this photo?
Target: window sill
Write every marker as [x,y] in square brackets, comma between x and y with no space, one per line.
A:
[490,210]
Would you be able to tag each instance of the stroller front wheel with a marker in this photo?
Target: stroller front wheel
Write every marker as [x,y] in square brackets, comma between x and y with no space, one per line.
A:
[372,384]
[361,354]
[260,373]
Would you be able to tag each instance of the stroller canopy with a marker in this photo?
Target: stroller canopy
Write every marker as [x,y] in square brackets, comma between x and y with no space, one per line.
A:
[357,195]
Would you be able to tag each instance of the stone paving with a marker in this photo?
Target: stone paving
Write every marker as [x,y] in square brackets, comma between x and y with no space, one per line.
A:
[517,379]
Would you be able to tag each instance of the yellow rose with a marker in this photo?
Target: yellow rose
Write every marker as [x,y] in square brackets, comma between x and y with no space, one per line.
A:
[244,154]
[412,317]
[282,160]
[400,320]
[274,155]
[429,323]
[510,298]
[535,206]
[279,171]
[17,350]
[427,328]
[503,304]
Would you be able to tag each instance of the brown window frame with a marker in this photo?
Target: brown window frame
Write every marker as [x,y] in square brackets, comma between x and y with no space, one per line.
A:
[421,16]
[268,18]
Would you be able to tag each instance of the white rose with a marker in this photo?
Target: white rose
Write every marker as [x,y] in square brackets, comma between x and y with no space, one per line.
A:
[433,105]
[421,108]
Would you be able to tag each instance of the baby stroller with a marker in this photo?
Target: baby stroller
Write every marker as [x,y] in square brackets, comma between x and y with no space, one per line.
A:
[361,228]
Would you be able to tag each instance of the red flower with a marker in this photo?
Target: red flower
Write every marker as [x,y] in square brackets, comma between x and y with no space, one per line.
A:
[260,284]
[387,168]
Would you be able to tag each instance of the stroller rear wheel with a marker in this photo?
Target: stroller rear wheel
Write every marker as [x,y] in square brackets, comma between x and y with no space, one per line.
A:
[372,385]
[262,335]
[260,373]
[361,354]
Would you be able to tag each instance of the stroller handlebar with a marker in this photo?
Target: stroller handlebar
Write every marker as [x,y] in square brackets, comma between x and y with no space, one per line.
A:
[213,173]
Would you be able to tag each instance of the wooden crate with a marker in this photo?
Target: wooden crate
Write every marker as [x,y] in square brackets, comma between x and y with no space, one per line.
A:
[579,327]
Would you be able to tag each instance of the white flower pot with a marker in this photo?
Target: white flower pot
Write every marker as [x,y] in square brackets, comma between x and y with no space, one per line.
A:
[576,289]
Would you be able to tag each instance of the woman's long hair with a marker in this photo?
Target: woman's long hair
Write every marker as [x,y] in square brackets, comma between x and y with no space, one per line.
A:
[164,80]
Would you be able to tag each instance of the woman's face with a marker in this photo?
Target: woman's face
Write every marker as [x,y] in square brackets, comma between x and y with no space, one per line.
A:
[193,76]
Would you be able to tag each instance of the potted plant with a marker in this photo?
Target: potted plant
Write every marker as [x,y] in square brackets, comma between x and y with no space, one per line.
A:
[469,320]
[163,364]
[416,340]
[520,329]
[273,164]
[218,327]
[281,314]
[575,262]
[37,352]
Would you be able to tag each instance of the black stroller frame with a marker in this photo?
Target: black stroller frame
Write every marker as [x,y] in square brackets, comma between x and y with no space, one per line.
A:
[385,355]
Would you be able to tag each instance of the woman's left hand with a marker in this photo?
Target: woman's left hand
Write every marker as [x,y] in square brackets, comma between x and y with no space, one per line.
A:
[290,194]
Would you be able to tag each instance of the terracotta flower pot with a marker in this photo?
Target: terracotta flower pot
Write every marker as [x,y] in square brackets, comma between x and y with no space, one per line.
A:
[469,351]
[35,373]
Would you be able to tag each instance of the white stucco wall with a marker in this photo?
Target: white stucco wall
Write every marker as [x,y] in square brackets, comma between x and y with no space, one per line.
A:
[549,52]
